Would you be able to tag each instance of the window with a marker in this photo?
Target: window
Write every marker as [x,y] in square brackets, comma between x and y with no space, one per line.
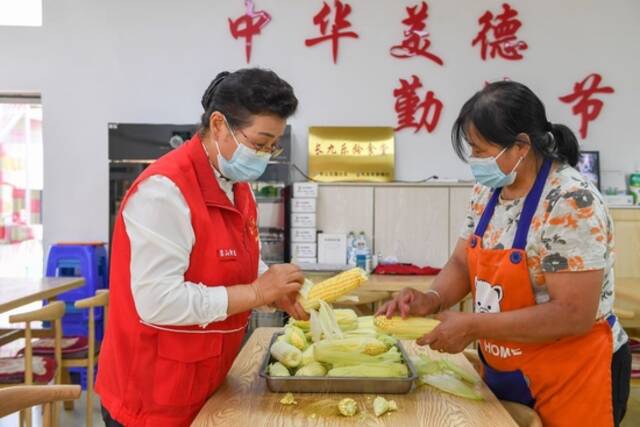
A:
[21,184]
[21,13]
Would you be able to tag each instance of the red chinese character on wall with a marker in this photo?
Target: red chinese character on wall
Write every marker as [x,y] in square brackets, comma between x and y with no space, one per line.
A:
[340,23]
[416,40]
[409,105]
[588,108]
[248,25]
[498,35]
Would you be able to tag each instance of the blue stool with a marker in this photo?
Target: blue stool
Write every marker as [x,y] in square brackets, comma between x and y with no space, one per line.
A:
[88,260]
[80,260]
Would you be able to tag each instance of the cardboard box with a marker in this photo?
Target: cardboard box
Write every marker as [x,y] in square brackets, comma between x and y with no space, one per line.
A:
[332,248]
[303,205]
[308,190]
[303,235]
[303,220]
[303,250]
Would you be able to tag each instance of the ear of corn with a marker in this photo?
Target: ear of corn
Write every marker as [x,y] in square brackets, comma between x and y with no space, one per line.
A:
[308,356]
[295,337]
[410,328]
[348,407]
[382,406]
[347,320]
[286,354]
[313,369]
[277,369]
[325,354]
[331,289]
[370,370]
[364,345]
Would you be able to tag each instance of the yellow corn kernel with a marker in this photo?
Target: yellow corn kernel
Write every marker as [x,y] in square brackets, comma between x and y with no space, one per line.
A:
[410,328]
[333,288]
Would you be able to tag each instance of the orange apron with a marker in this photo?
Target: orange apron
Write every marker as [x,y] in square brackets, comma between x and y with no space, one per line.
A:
[567,381]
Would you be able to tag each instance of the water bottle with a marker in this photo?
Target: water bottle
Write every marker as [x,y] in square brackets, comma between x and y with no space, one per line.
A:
[351,255]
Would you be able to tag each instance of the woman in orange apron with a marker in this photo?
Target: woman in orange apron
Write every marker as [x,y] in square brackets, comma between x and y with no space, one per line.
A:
[537,257]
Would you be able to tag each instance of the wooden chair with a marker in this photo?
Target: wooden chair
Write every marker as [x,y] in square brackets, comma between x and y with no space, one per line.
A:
[22,397]
[523,415]
[89,359]
[52,312]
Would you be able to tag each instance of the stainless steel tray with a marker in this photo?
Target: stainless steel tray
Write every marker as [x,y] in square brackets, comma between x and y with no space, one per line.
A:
[338,384]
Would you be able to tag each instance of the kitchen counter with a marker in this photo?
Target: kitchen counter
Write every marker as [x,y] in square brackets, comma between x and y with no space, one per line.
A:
[244,400]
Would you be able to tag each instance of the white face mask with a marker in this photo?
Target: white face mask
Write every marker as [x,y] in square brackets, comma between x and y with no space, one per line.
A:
[487,171]
[245,164]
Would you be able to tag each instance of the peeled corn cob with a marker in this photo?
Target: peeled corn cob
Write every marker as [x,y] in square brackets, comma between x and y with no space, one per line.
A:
[295,337]
[286,354]
[313,369]
[364,345]
[348,407]
[410,328]
[380,370]
[382,405]
[331,289]
[277,369]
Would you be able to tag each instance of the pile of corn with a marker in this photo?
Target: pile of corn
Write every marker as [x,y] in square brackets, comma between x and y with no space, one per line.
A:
[338,343]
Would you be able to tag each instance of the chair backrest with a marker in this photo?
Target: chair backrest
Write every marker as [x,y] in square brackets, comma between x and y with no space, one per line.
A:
[51,312]
[17,398]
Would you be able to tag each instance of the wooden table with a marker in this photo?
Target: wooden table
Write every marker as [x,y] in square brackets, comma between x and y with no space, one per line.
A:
[244,400]
[15,293]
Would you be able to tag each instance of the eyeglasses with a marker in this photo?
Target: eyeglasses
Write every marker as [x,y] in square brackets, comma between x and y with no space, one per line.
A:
[274,150]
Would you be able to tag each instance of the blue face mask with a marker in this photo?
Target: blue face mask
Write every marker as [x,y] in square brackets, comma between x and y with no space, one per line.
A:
[245,164]
[487,172]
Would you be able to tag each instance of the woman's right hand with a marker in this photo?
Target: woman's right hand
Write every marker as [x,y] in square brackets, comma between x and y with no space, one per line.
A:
[410,302]
[278,281]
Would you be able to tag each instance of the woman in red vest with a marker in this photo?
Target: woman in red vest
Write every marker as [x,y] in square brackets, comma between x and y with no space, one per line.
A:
[185,259]
[536,253]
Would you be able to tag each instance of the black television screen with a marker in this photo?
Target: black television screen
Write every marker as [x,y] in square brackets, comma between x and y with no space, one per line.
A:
[589,166]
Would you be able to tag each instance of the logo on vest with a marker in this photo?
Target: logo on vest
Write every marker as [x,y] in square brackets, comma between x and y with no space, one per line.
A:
[227,254]
[500,351]
[487,298]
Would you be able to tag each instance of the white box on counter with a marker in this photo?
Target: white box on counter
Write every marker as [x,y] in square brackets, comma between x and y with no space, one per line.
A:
[303,235]
[303,250]
[307,190]
[332,248]
[303,220]
[303,205]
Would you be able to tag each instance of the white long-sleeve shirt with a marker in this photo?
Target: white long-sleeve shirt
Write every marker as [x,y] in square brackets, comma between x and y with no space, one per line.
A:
[158,223]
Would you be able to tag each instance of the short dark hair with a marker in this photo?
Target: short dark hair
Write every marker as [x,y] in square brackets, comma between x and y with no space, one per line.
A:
[504,109]
[247,92]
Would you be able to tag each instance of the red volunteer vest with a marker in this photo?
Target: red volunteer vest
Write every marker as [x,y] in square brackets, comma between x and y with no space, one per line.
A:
[153,375]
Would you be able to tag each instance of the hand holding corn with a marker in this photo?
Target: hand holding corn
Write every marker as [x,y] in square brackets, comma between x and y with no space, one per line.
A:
[411,302]
[280,284]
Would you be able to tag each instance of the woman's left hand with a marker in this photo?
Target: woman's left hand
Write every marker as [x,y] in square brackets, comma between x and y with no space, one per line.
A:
[452,335]
[290,304]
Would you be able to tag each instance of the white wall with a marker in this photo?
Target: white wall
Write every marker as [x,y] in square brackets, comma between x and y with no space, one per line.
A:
[149,61]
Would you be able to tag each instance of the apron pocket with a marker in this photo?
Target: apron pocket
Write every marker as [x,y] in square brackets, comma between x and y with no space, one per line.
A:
[507,385]
[186,368]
